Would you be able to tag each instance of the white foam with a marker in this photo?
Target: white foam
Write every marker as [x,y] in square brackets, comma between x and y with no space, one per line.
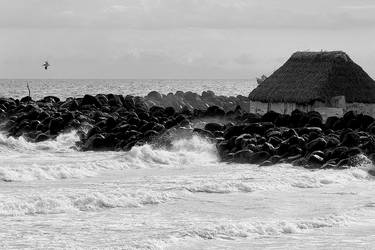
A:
[63,201]
[59,159]
[232,229]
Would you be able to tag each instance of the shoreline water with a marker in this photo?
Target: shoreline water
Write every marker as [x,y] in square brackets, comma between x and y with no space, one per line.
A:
[64,88]
[180,190]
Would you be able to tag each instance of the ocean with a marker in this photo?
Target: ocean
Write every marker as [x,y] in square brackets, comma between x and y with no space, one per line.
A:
[64,88]
[182,197]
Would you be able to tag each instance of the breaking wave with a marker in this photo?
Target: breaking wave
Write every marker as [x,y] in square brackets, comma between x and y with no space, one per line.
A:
[59,158]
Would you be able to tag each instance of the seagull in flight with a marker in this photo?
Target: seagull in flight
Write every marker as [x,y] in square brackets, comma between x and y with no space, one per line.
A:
[46,65]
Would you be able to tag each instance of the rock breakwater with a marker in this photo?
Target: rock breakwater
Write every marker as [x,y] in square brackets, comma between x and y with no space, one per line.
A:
[116,122]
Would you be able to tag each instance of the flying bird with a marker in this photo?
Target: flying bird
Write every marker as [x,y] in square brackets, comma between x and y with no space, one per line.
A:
[46,65]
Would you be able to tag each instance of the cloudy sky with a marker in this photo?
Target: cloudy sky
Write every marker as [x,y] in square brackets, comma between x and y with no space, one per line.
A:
[177,38]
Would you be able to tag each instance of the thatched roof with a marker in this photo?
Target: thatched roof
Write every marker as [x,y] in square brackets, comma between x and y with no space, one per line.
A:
[310,76]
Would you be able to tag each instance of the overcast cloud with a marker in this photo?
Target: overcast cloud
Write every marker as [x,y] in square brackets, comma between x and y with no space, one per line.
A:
[176,38]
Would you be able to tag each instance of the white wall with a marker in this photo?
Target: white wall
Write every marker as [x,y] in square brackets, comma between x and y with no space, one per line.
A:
[287,108]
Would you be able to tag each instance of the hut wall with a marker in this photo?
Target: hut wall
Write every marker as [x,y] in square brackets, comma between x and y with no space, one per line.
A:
[280,107]
[361,108]
[324,109]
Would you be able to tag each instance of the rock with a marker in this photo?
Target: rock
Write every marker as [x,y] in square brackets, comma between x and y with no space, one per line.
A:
[90,100]
[41,137]
[129,102]
[110,123]
[343,164]
[331,121]
[204,133]
[67,117]
[154,95]
[56,125]
[351,139]
[351,152]
[275,159]
[289,133]
[233,131]
[213,111]
[259,157]
[332,142]
[251,118]
[158,127]
[114,100]
[95,142]
[317,144]
[315,161]
[366,121]
[214,127]
[150,133]
[26,99]
[242,156]
[309,130]
[339,152]
[266,163]
[270,116]
[50,98]
[170,111]
[275,141]
[208,94]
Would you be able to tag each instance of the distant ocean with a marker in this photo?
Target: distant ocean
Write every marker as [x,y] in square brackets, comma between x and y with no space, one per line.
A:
[53,196]
[77,87]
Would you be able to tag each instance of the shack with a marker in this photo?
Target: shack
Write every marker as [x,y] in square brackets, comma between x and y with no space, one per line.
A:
[327,82]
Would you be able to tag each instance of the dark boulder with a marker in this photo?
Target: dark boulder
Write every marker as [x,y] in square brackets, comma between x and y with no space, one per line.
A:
[275,159]
[213,127]
[26,99]
[315,161]
[114,100]
[339,152]
[214,111]
[350,139]
[233,131]
[52,99]
[259,157]
[251,118]
[41,137]
[331,121]
[170,111]
[150,134]
[110,123]
[366,121]
[56,125]
[157,111]
[129,102]
[242,156]
[316,144]
[95,142]
[270,116]
[204,133]
[90,100]
[154,95]
[351,152]
[158,127]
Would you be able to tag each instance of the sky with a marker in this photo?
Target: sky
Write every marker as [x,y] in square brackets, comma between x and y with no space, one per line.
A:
[177,38]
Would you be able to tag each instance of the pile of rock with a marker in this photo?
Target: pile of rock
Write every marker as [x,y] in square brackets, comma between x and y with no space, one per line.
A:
[182,100]
[116,122]
[105,122]
[300,138]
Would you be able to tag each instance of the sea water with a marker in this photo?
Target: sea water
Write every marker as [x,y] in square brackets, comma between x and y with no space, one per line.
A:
[177,197]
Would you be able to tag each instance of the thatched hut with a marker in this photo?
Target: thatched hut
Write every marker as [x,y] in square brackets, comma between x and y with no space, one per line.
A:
[329,82]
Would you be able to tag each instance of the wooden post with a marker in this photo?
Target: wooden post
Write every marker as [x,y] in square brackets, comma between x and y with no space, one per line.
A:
[28,88]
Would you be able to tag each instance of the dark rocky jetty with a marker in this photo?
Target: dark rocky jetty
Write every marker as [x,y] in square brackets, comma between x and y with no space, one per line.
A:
[182,100]
[116,122]
[300,139]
